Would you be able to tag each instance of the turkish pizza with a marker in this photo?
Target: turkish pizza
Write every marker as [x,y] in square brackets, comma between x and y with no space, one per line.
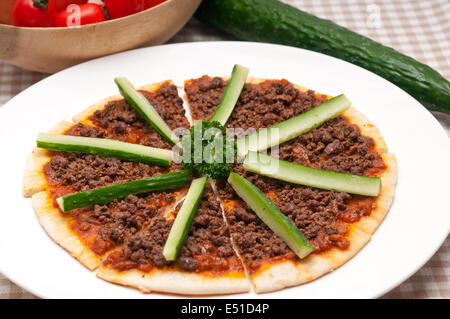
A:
[255,185]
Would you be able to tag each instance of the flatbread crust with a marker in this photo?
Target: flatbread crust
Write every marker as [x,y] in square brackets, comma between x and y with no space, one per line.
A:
[284,274]
[177,282]
[369,224]
[57,224]
[366,128]
[34,180]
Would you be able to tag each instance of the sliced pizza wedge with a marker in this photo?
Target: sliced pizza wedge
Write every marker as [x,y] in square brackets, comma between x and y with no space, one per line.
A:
[322,216]
[207,263]
[64,230]
[88,234]
[286,270]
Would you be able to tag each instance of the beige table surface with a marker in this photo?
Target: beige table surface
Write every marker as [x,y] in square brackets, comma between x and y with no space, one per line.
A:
[420,28]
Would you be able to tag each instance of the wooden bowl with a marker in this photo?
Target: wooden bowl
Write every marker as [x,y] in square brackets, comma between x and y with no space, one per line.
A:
[52,49]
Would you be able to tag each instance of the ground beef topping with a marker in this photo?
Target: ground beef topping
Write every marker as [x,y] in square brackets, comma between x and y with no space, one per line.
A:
[270,102]
[83,172]
[204,94]
[123,123]
[105,226]
[207,249]
[335,146]
[259,105]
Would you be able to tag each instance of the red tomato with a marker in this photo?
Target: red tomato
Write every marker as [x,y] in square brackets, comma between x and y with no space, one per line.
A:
[152,3]
[62,4]
[82,14]
[34,13]
[121,8]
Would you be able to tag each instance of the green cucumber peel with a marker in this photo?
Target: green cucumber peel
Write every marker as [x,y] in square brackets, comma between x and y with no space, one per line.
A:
[145,109]
[271,215]
[272,21]
[231,94]
[180,228]
[105,147]
[298,174]
[106,194]
[293,127]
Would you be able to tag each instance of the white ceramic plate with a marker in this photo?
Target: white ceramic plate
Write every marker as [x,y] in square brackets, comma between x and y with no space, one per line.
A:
[413,230]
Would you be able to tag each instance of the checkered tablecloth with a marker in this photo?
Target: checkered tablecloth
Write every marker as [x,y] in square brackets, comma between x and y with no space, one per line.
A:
[420,28]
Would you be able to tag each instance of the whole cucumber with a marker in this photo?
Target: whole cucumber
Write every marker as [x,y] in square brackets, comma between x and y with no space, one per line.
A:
[276,22]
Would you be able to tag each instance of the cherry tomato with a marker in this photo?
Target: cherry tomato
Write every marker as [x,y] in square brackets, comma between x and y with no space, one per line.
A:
[137,6]
[62,4]
[82,14]
[34,13]
[5,11]
[121,8]
[152,3]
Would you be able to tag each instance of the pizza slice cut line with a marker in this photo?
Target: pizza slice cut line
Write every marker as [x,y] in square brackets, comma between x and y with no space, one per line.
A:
[207,263]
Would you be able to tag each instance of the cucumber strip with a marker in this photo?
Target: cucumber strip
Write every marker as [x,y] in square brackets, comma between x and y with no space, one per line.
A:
[145,109]
[279,223]
[231,94]
[298,174]
[105,147]
[106,194]
[180,228]
[293,127]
